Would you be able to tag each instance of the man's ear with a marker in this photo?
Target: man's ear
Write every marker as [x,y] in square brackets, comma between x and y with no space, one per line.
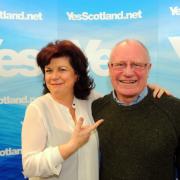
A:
[149,66]
[109,66]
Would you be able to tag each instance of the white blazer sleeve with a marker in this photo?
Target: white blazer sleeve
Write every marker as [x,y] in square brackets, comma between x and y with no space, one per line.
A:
[38,160]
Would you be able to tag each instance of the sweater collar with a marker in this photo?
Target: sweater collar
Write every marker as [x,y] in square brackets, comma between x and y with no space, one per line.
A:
[140,97]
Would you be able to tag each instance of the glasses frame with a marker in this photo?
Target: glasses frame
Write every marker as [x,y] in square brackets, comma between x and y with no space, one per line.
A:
[134,66]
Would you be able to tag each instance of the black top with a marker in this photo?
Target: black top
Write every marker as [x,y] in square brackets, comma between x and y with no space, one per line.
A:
[141,141]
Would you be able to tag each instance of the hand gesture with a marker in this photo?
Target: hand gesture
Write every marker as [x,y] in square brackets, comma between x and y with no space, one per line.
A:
[82,133]
[79,137]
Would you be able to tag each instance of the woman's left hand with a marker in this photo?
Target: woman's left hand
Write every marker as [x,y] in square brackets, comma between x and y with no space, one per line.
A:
[158,91]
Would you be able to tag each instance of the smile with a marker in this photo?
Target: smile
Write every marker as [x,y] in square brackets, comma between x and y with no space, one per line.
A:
[56,84]
[128,81]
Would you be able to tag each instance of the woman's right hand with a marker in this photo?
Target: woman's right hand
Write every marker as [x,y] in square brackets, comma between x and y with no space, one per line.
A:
[82,133]
[79,137]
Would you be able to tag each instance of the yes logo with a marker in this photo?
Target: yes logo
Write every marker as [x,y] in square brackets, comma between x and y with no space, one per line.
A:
[13,63]
[23,62]
[98,58]
[175,42]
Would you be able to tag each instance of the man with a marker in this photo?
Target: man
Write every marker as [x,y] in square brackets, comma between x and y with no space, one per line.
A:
[139,138]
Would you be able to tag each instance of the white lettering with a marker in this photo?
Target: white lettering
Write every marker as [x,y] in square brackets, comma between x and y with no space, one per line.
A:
[23,63]
[175,42]
[16,100]
[1,41]
[10,152]
[98,58]
[4,15]
[175,11]
[85,16]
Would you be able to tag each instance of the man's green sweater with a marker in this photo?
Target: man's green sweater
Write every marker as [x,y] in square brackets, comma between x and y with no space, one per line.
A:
[141,141]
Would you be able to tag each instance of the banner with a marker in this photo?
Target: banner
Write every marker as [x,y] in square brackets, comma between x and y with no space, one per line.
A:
[95,26]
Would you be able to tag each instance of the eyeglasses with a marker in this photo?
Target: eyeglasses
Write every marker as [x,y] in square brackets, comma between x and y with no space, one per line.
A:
[134,66]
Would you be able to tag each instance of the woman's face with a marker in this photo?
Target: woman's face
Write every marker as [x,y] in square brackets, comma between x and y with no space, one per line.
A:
[60,77]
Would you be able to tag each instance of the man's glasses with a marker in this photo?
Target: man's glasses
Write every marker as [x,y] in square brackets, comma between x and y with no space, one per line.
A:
[123,66]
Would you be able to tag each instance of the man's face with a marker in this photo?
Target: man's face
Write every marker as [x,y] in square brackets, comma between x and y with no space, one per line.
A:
[128,68]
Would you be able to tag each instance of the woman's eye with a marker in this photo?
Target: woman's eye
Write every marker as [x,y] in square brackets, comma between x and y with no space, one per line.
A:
[48,70]
[62,69]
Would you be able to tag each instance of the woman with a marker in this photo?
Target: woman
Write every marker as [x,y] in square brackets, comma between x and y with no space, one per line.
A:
[52,132]
[59,140]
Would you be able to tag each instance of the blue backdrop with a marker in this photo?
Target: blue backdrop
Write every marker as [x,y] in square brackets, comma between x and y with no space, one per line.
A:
[95,26]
